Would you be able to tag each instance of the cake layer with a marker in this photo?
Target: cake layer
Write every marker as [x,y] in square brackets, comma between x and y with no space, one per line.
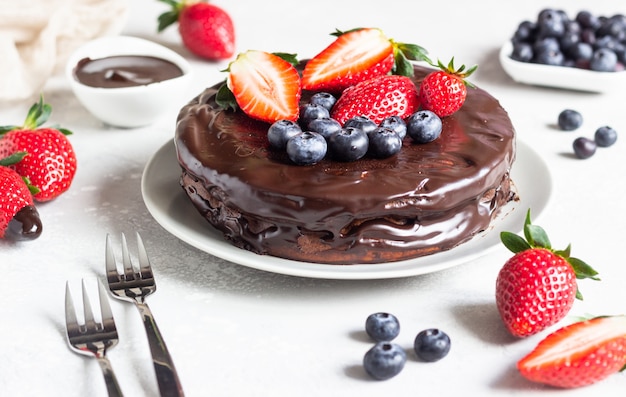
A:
[425,199]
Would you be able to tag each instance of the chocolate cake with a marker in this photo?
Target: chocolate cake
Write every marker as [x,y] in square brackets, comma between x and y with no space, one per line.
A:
[426,199]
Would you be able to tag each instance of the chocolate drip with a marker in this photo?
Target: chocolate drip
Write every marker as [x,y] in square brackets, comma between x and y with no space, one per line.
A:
[25,225]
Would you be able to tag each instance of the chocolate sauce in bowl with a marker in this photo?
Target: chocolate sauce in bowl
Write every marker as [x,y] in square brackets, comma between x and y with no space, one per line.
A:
[125,71]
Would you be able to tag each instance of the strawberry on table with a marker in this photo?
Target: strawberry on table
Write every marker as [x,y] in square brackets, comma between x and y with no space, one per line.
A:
[377,98]
[537,286]
[265,86]
[579,354]
[206,30]
[19,219]
[50,161]
[358,55]
[443,91]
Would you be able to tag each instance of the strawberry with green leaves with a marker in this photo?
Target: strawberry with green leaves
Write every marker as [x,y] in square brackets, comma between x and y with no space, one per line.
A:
[206,30]
[19,219]
[579,354]
[264,86]
[377,98]
[443,91]
[50,161]
[358,55]
[537,286]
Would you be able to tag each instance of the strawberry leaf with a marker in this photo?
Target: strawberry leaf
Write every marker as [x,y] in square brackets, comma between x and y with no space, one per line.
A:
[6,128]
[402,66]
[225,98]
[32,188]
[537,236]
[291,58]
[13,159]
[514,242]
[582,269]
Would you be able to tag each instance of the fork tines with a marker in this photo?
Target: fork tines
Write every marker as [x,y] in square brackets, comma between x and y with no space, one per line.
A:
[142,275]
[91,337]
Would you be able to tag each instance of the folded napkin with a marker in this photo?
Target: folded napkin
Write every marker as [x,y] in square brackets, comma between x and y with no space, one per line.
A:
[37,36]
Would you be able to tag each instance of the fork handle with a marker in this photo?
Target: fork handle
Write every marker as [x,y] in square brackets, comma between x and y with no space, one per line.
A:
[113,388]
[167,378]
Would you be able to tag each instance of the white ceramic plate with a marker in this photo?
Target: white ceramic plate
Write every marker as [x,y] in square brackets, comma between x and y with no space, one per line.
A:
[171,208]
[560,77]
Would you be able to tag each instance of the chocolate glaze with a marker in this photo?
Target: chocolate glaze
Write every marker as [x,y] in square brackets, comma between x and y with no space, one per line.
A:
[125,71]
[25,225]
[426,199]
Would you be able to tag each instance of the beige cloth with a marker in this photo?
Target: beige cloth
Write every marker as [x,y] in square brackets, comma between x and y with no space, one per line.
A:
[37,36]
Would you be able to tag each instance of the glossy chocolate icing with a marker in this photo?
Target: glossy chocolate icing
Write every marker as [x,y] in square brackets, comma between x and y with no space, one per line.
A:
[125,71]
[426,199]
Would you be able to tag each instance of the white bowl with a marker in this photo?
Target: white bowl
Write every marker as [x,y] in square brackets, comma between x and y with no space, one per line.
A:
[128,107]
[560,76]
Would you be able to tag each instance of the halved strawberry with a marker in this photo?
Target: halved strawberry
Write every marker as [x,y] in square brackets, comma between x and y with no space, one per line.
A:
[578,354]
[378,98]
[358,55]
[265,86]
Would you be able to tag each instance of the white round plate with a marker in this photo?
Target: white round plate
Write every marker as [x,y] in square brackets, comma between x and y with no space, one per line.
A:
[171,208]
[559,76]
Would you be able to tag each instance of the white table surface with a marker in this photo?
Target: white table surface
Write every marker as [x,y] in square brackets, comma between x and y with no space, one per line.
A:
[237,331]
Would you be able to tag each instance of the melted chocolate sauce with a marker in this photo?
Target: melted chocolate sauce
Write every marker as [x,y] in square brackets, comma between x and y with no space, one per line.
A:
[426,199]
[125,71]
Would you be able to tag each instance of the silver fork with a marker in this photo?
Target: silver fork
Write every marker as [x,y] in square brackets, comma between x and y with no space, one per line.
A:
[134,285]
[92,338]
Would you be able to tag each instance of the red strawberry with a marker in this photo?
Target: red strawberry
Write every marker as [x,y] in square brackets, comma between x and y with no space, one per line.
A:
[443,91]
[50,161]
[377,98]
[265,86]
[206,30]
[19,219]
[358,55]
[536,287]
[579,354]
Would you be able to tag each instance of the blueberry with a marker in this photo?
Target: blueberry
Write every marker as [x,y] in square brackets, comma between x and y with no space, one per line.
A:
[396,124]
[570,120]
[432,344]
[382,327]
[383,143]
[581,51]
[323,98]
[349,144]
[424,126]
[549,57]
[280,131]
[310,112]
[361,122]
[325,126]
[522,52]
[306,148]
[603,60]
[584,147]
[550,23]
[605,136]
[384,361]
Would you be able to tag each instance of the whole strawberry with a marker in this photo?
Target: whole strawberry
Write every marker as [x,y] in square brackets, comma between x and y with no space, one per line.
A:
[579,354]
[443,91]
[206,30]
[19,219]
[50,161]
[377,98]
[537,287]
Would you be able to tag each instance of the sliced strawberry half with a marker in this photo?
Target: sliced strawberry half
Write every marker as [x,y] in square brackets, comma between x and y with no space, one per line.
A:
[358,55]
[578,354]
[265,86]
